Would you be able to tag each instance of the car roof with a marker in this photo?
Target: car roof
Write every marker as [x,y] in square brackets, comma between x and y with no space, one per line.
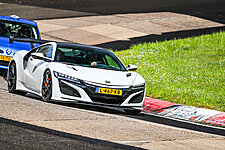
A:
[20,20]
[82,46]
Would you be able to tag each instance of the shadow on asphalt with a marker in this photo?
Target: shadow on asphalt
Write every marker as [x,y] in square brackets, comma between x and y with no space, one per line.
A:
[17,135]
[96,108]
[121,45]
[208,9]
[181,124]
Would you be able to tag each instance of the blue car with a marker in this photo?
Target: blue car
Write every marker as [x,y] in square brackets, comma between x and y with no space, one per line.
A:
[16,34]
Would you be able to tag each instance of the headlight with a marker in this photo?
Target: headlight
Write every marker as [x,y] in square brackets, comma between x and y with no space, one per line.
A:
[59,75]
[137,86]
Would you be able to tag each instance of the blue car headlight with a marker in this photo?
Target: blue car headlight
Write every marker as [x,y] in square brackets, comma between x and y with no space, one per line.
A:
[63,76]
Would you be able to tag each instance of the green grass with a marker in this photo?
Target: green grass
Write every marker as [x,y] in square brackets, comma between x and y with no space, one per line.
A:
[186,71]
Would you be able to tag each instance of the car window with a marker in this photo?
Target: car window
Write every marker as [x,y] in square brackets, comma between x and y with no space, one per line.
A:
[111,62]
[94,58]
[18,30]
[46,50]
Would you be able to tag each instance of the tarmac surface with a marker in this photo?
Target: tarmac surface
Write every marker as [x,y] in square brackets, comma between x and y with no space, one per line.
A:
[121,30]
[17,135]
[26,122]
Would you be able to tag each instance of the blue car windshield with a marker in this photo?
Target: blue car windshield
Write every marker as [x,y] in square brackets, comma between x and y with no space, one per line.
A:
[18,30]
[88,57]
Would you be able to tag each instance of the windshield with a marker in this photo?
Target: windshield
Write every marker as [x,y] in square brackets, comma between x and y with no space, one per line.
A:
[88,57]
[18,30]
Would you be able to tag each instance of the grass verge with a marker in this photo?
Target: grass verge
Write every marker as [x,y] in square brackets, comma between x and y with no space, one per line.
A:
[186,71]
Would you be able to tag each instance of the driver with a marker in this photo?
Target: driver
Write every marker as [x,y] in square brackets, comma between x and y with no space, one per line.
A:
[25,31]
[92,58]
[60,55]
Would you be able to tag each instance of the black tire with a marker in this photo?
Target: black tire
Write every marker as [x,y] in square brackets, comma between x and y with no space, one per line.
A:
[3,73]
[47,86]
[11,78]
[132,111]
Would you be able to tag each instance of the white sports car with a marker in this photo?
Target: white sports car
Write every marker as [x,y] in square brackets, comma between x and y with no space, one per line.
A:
[76,73]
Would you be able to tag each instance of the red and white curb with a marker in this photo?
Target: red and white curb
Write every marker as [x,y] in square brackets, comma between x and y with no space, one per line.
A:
[184,112]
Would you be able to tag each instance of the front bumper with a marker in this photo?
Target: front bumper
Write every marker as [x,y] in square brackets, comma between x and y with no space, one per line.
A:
[85,92]
[4,64]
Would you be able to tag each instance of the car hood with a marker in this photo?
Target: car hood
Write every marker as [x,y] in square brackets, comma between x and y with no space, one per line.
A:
[97,76]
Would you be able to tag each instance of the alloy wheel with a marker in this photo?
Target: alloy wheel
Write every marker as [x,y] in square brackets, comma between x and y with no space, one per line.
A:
[47,86]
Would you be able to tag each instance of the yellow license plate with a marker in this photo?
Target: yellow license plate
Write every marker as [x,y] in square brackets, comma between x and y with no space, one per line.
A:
[109,91]
[5,58]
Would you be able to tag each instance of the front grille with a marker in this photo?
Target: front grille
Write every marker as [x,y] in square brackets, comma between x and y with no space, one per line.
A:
[103,98]
[67,90]
[107,100]
[4,63]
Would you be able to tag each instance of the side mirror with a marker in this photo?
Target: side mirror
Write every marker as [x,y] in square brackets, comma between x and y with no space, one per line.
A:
[37,55]
[131,67]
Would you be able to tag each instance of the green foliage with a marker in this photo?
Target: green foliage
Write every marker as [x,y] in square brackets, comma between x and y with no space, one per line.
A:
[186,71]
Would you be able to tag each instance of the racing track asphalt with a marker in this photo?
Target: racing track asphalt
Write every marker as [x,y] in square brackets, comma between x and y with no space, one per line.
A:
[14,134]
[153,118]
[17,135]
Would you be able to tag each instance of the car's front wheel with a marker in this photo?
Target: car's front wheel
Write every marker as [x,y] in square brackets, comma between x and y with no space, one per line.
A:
[47,86]
[12,78]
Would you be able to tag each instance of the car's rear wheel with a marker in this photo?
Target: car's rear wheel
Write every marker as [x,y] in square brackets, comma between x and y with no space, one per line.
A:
[47,86]
[12,78]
